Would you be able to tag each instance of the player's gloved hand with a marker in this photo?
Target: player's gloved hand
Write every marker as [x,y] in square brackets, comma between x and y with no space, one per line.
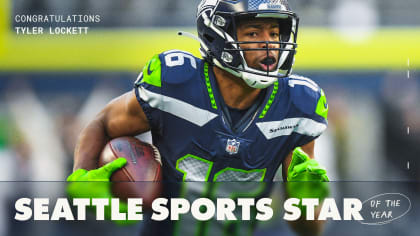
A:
[306,178]
[96,184]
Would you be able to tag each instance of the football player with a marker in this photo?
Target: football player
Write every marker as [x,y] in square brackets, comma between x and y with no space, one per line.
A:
[236,115]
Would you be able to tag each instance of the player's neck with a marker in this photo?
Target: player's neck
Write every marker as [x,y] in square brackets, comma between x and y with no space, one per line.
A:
[235,92]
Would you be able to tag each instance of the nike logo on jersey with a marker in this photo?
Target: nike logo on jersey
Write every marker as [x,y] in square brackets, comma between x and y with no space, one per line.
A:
[149,72]
[322,106]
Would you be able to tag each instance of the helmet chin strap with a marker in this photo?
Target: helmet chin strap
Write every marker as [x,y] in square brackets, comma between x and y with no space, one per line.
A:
[252,80]
[258,81]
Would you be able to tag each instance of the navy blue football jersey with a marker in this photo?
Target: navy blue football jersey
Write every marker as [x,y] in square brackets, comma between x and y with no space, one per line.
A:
[192,128]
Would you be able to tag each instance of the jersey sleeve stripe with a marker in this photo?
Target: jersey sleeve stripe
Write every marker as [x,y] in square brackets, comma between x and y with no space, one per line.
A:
[304,126]
[176,107]
[298,77]
[293,82]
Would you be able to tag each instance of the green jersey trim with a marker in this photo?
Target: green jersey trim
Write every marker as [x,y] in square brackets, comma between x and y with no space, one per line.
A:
[201,165]
[208,85]
[270,100]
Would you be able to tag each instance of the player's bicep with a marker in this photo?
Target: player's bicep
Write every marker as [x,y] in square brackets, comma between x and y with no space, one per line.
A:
[308,148]
[124,116]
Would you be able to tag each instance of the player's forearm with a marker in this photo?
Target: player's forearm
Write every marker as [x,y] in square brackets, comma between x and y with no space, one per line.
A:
[89,145]
[307,228]
[304,227]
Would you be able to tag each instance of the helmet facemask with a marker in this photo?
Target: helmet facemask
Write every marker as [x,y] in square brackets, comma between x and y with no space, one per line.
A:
[229,53]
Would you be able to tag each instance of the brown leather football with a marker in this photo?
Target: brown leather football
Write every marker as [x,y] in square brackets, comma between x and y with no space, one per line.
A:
[141,176]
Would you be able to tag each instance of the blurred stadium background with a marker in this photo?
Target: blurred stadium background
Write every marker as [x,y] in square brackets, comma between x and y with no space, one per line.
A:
[364,53]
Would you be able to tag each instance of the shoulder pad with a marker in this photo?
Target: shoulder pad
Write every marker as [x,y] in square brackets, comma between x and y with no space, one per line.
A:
[307,96]
[152,73]
[170,67]
[178,66]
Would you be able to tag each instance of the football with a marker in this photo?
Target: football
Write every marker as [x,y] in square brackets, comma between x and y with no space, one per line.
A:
[141,176]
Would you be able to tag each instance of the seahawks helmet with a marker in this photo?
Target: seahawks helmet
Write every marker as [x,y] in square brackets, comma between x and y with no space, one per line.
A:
[217,24]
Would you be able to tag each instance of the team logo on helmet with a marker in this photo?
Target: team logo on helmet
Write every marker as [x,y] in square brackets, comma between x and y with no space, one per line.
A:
[206,4]
[268,5]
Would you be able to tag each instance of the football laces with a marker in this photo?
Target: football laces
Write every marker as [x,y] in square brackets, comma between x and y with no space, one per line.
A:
[156,153]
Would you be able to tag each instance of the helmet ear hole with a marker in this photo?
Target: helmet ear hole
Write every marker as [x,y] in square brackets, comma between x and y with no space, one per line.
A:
[209,38]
